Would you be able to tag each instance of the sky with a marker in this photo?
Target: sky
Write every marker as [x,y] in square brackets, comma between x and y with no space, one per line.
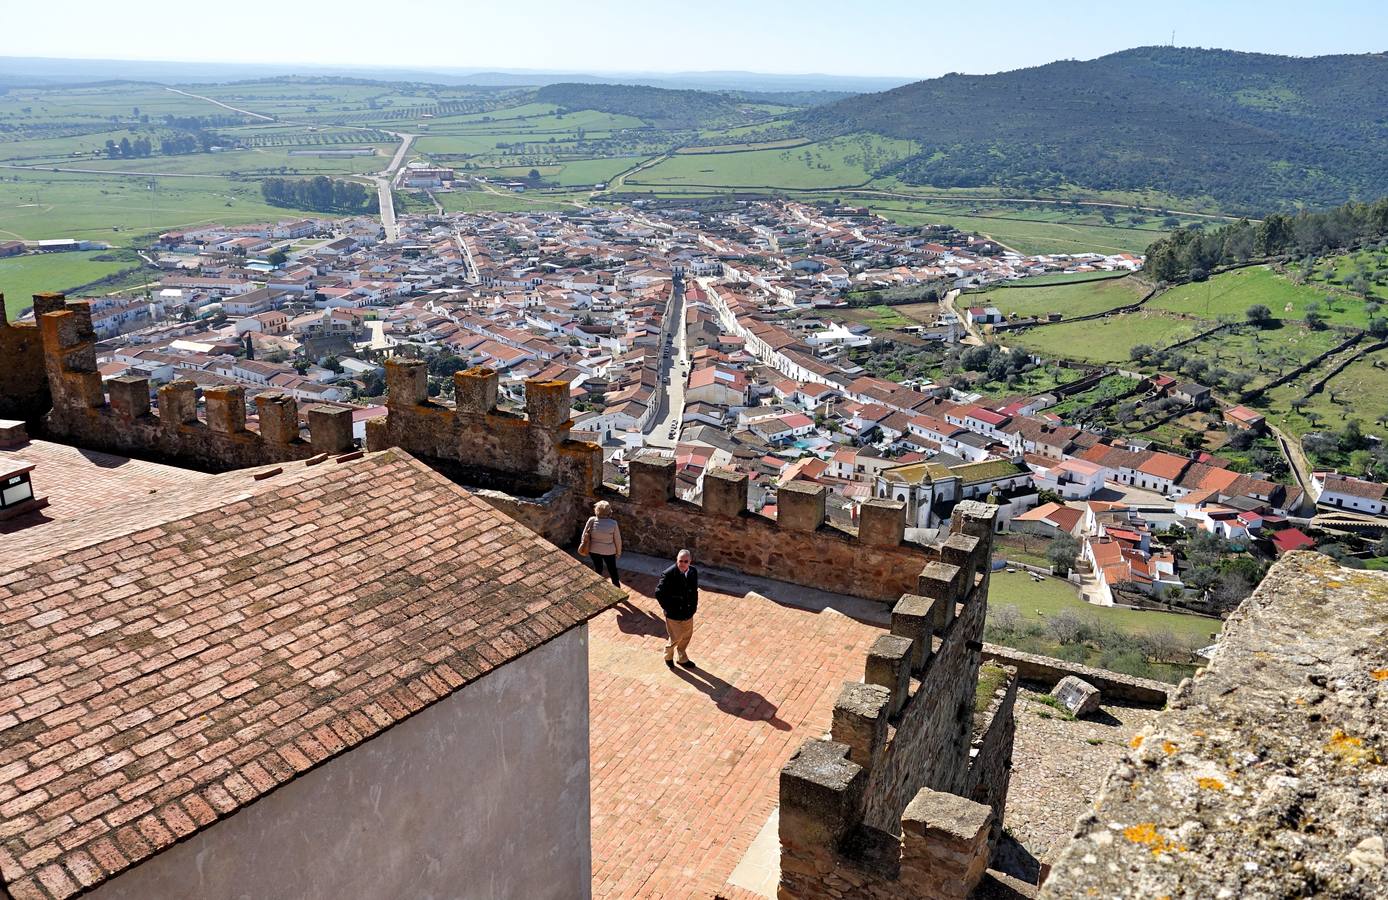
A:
[898,38]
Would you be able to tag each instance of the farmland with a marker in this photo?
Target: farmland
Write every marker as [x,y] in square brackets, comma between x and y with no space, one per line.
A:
[839,162]
[119,209]
[1107,340]
[1361,391]
[23,276]
[1070,300]
[1232,293]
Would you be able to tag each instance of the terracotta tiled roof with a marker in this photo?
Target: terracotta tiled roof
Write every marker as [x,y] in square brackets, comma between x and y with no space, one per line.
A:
[171,660]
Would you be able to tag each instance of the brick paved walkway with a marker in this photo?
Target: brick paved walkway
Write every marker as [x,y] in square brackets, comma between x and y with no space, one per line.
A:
[685,763]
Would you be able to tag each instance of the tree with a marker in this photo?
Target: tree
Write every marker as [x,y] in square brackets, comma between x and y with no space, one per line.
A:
[1062,552]
[1258,314]
[1068,627]
[333,364]
[1193,440]
[533,175]
[1315,319]
[1005,618]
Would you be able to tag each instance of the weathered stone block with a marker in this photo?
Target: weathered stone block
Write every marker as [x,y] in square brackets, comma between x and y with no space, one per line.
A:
[961,550]
[725,492]
[821,792]
[46,302]
[651,480]
[889,665]
[129,396]
[178,403]
[407,382]
[800,506]
[974,518]
[330,429]
[546,403]
[911,620]
[226,408]
[1077,695]
[475,390]
[279,417]
[12,431]
[944,846]
[882,523]
[860,720]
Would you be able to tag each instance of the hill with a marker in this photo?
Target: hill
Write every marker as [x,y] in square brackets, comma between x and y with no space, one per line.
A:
[664,108]
[1252,131]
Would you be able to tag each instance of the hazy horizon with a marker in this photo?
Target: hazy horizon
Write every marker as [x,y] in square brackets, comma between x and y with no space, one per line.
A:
[896,39]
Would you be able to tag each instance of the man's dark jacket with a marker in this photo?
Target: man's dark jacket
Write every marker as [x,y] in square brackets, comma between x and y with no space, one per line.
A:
[678,594]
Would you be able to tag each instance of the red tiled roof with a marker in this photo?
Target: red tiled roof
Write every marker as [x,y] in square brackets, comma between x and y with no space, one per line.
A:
[1290,539]
[170,661]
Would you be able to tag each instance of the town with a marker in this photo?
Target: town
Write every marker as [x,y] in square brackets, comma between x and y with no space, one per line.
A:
[716,334]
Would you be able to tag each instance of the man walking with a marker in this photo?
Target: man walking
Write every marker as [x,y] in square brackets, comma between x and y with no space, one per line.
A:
[678,595]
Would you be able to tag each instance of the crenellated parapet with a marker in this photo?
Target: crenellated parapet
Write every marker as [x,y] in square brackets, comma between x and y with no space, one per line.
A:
[800,545]
[905,798]
[482,443]
[124,416]
[24,391]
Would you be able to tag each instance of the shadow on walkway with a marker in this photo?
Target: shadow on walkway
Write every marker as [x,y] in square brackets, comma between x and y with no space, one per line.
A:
[632,619]
[744,704]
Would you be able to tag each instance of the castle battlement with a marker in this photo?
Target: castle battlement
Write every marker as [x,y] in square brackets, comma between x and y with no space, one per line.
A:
[800,545]
[119,417]
[906,797]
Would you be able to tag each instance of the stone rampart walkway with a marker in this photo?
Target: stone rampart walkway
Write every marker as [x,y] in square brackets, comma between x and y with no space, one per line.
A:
[685,764]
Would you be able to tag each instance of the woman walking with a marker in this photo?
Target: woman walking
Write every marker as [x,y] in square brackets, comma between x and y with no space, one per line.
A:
[602,540]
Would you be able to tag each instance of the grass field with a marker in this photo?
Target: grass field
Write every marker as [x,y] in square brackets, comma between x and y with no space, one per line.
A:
[269,161]
[833,163]
[23,276]
[1232,293]
[1107,340]
[1361,391]
[480,201]
[1368,268]
[1051,229]
[1037,601]
[1070,300]
[1264,352]
[1067,278]
[117,209]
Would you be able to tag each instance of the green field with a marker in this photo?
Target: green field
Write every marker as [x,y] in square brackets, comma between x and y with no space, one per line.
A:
[1264,352]
[1070,300]
[270,161]
[118,209]
[1232,293]
[833,163]
[1360,391]
[1366,269]
[1037,601]
[503,201]
[23,276]
[1107,340]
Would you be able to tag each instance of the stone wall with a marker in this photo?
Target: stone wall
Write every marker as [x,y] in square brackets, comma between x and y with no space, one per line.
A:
[906,798]
[1048,670]
[481,445]
[1267,776]
[23,382]
[799,546]
[990,764]
[126,423]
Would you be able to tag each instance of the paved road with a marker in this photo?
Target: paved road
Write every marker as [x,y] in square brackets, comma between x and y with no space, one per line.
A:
[111,172]
[974,336]
[672,370]
[244,112]
[383,183]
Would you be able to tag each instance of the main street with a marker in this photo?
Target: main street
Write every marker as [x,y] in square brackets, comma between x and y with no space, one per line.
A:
[672,368]
[383,185]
